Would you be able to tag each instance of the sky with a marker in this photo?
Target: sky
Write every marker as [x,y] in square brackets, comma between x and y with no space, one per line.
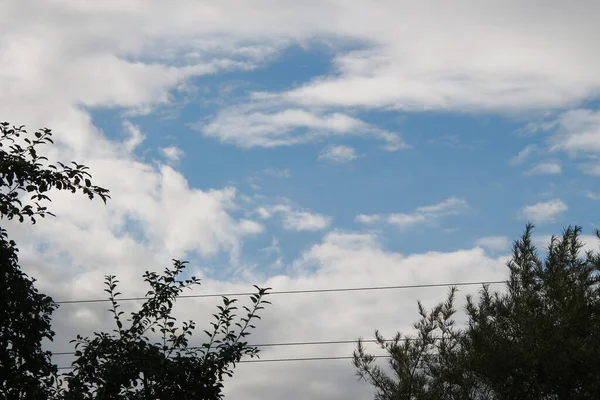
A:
[303,145]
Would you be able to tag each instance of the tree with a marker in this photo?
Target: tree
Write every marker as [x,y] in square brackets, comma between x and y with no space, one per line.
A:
[128,364]
[26,371]
[426,366]
[538,339]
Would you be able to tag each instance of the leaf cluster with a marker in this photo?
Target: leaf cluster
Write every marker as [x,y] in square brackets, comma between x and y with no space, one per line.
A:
[23,171]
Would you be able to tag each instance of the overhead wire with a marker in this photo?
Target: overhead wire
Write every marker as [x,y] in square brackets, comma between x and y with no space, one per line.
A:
[282,344]
[261,360]
[285,292]
[301,291]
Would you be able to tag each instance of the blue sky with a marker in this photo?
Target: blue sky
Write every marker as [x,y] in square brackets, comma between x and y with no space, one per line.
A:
[451,154]
[303,145]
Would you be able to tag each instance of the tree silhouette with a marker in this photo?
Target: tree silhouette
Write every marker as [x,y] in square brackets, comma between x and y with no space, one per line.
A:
[130,364]
[538,339]
[26,371]
[148,355]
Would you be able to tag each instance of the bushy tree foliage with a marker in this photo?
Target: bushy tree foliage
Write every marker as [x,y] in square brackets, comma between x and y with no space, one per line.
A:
[24,171]
[128,363]
[26,370]
[148,356]
[537,339]
[540,339]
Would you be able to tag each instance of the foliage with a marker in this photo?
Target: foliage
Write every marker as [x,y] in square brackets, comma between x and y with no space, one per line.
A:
[425,366]
[538,339]
[22,170]
[124,364]
[128,364]
[25,369]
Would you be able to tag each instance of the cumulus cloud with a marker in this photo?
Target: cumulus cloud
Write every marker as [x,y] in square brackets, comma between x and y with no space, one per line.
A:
[304,220]
[421,215]
[172,153]
[545,168]
[340,260]
[544,212]
[494,243]
[294,219]
[578,132]
[135,136]
[340,154]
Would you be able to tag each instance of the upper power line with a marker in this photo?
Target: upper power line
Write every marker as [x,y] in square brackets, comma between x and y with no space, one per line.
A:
[304,291]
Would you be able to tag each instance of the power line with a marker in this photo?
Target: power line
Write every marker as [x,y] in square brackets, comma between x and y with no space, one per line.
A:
[305,291]
[313,343]
[260,360]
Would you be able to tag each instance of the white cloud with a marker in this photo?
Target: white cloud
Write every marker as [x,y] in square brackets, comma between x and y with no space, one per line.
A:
[268,125]
[172,153]
[405,221]
[523,154]
[341,259]
[544,211]
[136,137]
[339,153]
[263,212]
[421,215]
[302,220]
[295,219]
[367,219]
[545,168]
[493,56]
[450,206]
[593,195]
[345,259]
[591,168]
[578,132]
[251,227]
[494,243]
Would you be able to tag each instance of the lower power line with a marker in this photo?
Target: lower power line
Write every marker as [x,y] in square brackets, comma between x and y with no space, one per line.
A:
[259,360]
